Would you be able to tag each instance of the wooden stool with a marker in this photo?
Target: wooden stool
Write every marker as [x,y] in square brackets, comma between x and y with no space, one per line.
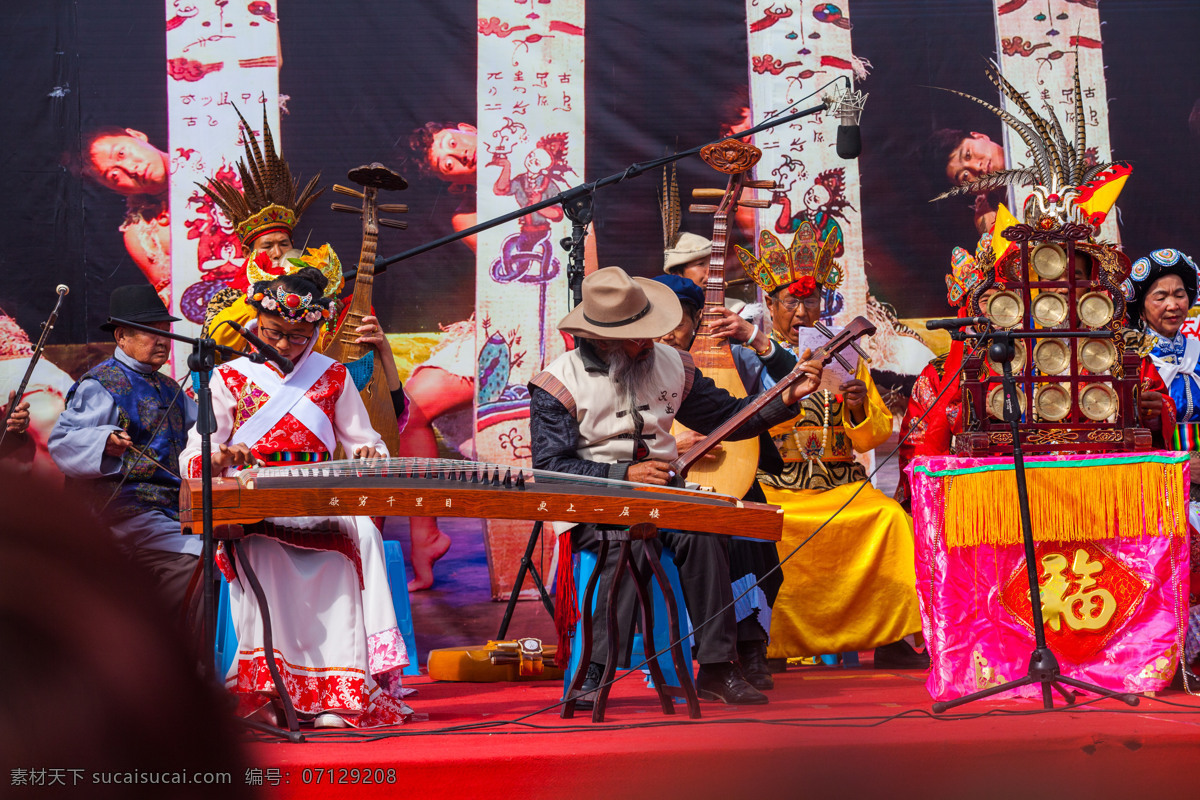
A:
[643,532]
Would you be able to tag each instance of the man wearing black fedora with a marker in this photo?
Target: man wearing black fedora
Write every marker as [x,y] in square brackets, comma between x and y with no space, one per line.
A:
[120,435]
[605,410]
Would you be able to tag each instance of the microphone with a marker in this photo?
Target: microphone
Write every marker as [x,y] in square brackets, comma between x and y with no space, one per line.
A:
[265,350]
[847,107]
[62,288]
[957,322]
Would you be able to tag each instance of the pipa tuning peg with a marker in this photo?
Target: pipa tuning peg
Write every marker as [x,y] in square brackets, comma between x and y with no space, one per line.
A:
[393,223]
[393,208]
[347,209]
[337,187]
[696,208]
[760,184]
[754,203]
[704,192]
[377,176]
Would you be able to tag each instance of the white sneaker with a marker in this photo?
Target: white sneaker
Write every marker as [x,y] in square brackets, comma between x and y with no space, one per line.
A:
[329,720]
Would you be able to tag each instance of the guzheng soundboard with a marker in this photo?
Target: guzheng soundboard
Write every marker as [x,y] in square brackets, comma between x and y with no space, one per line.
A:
[412,487]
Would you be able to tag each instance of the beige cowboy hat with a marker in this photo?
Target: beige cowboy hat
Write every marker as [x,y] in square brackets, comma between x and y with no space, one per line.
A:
[616,306]
[687,249]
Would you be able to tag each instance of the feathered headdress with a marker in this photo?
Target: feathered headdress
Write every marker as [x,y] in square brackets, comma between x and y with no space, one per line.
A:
[267,200]
[1067,187]
[809,258]
[678,248]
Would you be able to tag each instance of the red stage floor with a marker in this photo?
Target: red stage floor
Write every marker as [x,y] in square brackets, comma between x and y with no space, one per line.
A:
[855,733]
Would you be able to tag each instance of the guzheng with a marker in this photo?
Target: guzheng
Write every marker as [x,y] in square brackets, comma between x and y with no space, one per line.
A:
[421,487]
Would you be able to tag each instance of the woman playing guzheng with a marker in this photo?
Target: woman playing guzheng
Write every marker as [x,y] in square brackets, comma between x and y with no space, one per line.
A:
[334,627]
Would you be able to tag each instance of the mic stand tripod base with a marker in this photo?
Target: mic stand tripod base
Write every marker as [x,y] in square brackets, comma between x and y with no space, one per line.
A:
[1043,666]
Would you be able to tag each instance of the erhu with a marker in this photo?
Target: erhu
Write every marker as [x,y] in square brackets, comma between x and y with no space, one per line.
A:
[47,326]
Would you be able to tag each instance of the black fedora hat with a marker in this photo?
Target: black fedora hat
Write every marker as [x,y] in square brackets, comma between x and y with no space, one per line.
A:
[138,303]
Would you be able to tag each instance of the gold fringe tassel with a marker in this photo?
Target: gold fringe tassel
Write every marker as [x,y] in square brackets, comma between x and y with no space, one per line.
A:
[1067,504]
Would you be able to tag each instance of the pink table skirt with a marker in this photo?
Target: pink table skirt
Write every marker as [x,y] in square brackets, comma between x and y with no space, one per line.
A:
[1110,534]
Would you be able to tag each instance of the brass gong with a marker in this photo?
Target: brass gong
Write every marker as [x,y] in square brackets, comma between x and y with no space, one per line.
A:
[1095,309]
[1005,309]
[995,401]
[1097,401]
[1097,355]
[1018,360]
[1052,402]
[1049,261]
[1052,356]
[1049,309]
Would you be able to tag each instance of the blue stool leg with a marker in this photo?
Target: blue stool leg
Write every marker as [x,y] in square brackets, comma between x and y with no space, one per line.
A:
[225,641]
[398,580]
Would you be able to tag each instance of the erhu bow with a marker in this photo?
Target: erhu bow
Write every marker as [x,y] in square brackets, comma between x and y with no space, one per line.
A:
[47,326]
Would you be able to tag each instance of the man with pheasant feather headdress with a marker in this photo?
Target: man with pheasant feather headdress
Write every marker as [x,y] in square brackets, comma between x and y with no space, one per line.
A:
[264,212]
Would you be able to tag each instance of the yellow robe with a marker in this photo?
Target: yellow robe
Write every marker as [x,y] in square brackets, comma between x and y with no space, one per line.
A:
[853,585]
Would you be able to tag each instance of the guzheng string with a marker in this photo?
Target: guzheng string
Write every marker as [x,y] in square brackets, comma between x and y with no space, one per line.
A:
[448,469]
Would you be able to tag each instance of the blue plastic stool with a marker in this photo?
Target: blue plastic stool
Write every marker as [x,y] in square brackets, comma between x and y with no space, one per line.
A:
[398,579]
[225,641]
[585,564]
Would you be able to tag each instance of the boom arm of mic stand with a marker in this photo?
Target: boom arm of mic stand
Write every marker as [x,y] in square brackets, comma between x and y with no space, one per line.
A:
[575,192]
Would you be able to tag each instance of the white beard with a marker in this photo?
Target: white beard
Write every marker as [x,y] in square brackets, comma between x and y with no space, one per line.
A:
[631,377]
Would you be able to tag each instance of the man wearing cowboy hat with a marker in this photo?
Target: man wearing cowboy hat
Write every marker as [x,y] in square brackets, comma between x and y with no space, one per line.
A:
[605,410]
[122,431]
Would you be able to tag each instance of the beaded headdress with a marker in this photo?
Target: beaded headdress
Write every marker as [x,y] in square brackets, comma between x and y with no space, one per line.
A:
[289,305]
[808,257]
[267,200]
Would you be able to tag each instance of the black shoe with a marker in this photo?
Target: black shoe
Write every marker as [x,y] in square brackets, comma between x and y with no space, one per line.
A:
[777,665]
[725,682]
[752,656]
[587,692]
[900,655]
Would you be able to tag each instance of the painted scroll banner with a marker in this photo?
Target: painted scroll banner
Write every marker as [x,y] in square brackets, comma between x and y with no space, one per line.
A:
[1039,44]
[531,119]
[218,55]
[793,49]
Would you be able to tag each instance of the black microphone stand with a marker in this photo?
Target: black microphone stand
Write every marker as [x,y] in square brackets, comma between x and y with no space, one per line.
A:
[1043,665]
[578,209]
[201,362]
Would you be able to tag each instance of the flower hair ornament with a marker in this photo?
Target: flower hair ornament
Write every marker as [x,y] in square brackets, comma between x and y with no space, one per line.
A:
[289,305]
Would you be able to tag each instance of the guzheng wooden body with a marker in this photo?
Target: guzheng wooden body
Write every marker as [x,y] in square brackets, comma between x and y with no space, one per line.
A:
[410,487]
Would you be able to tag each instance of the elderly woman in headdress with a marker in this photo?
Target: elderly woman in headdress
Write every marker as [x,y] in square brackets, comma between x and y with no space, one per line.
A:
[1161,288]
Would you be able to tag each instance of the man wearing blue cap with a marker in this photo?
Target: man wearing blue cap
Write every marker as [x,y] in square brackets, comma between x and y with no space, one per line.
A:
[751,563]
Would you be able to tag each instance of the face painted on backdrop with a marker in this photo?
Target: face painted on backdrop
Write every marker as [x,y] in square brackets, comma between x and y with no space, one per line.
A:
[452,153]
[790,313]
[1166,305]
[975,155]
[145,347]
[128,164]
[289,338]
[148,242]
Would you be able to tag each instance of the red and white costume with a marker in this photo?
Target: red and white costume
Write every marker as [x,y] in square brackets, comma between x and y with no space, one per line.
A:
[332,619]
